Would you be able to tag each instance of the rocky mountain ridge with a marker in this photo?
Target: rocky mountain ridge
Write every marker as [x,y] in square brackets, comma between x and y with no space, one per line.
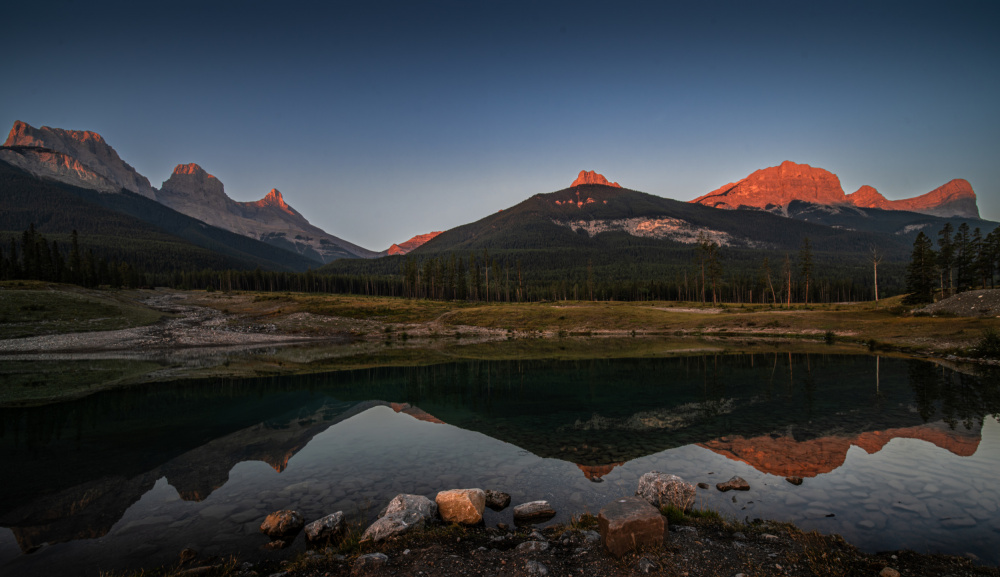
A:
[193,191]
[774,188]
[412,244]
[86,160]
[78,157]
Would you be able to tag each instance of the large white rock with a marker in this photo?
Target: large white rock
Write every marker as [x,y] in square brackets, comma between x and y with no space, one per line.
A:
[403,514]
[661,489]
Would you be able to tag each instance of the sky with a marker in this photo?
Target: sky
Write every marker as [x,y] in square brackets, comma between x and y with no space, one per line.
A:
[382,120]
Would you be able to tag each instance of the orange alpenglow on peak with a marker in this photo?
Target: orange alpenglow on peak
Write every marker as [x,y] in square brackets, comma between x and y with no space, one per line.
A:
[591,177]
[274,199]
[191,169]
[412,244]
[777,186]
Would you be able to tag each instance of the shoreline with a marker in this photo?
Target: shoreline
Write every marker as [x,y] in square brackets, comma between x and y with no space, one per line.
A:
[209,335]
[701,543]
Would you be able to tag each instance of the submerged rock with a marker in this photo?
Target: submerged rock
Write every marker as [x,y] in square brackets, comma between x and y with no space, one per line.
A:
[794,480]
[533,512]
[464,506]
[497,500]
[662,489]
[282,524]
[736,483]
[629,523]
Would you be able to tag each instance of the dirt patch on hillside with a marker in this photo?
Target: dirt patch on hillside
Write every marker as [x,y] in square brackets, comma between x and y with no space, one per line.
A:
[981,303]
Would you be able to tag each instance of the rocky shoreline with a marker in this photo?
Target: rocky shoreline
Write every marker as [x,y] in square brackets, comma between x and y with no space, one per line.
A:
[657,531]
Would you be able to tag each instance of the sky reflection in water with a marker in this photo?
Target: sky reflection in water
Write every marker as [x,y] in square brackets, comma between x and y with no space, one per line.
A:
[898,451]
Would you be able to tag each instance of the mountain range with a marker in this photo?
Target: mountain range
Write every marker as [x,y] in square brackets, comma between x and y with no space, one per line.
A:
[593,220]
[774,188]
[83,159]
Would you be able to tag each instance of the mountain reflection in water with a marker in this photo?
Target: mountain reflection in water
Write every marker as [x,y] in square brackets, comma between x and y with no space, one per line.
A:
[73,469]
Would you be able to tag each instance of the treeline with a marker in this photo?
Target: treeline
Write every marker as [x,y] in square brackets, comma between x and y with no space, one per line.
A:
[711,274]
[35,258]
[964,260]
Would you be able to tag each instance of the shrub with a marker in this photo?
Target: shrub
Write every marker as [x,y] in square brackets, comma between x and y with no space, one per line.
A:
[830,337]
[988,346]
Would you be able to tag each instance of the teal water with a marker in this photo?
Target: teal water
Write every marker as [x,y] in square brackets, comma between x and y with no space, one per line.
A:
[901,453]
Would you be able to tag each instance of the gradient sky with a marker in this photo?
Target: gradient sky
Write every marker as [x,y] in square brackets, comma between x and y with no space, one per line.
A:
[382,120]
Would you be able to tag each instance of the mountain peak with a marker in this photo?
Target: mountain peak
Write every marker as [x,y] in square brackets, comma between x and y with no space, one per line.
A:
[867,197]
[191,169]
[274,199]
[778,185]
[191,180]
[92,162]
[591,177]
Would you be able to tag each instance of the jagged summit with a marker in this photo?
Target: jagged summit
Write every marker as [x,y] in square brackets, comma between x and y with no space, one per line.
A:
[591,177]
[192,183]
[777,186]
[77,157]
[275,199]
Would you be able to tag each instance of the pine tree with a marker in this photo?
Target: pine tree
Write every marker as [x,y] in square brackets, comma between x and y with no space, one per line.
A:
[946,257]
[921,272]
[75,262]
[806,264]
[965,258]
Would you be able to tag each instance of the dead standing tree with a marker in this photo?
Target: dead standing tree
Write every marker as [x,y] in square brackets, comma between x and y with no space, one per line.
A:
[876,256]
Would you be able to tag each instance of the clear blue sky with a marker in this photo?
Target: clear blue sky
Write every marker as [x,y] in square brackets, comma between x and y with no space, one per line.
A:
[382,120]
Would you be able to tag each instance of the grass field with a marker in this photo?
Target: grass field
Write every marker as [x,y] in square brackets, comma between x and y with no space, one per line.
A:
[889,324]
[29,309]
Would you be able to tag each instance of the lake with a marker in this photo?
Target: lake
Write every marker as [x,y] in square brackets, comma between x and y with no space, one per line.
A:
[894,453]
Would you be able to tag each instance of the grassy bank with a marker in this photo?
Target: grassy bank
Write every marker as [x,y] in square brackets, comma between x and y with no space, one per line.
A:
[354,332]
[32,308]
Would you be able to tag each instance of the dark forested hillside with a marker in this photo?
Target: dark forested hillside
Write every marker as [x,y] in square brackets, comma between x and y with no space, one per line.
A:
[542,222]
[577,241]
[901,223]
[129,227]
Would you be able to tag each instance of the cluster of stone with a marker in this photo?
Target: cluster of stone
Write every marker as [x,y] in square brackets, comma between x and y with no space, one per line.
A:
[626,524]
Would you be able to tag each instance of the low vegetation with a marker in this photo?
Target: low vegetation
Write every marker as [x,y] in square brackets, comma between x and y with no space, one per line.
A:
[32,308]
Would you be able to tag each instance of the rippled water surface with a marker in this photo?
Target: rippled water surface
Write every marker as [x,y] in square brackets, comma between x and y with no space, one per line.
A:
[895,453]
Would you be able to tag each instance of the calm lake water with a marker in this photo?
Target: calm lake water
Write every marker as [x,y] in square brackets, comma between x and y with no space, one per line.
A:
[895,453]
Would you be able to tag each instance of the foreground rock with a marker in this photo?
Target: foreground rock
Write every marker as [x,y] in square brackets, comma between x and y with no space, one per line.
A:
[282,525]
[497,500]
[533,512]
[734,484]
[405,502]
[464,506]
[369,563]
[403,514]
[661,489]
[329,529]
[630,523]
